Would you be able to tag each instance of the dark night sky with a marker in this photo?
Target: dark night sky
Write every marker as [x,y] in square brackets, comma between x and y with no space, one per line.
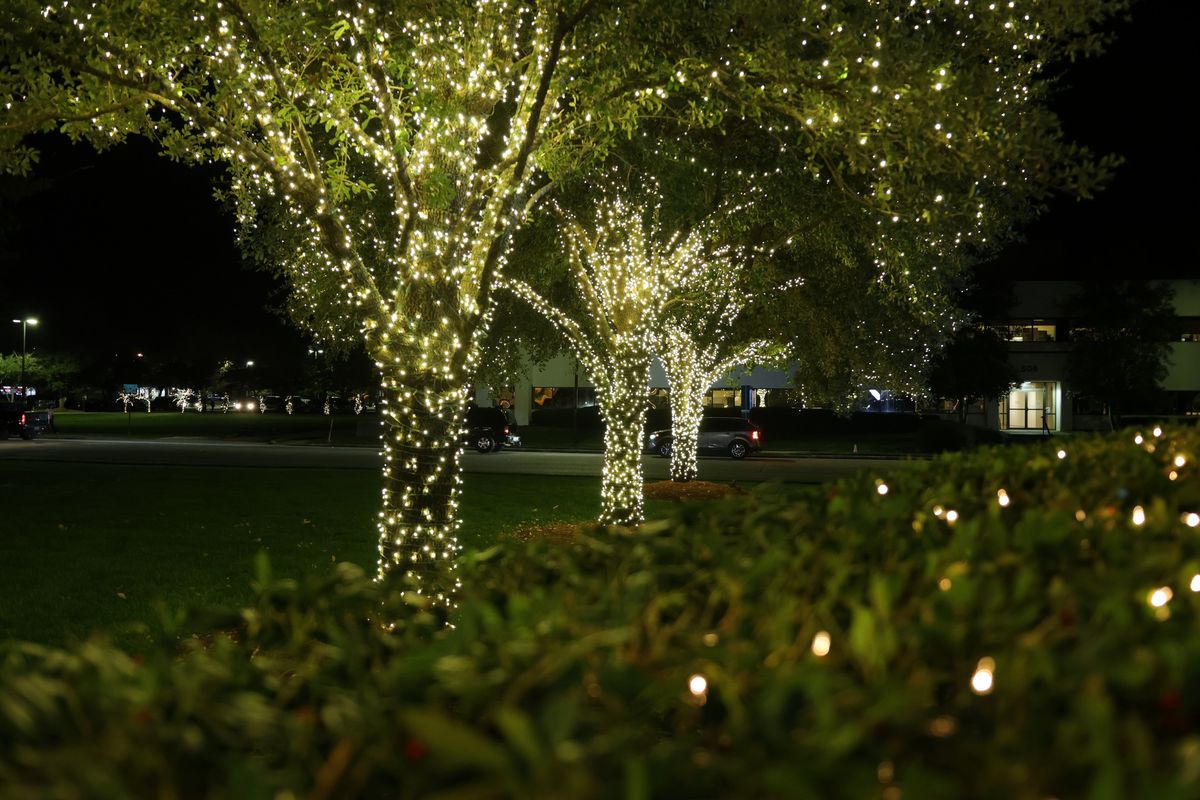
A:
[127,251]
[1130,102]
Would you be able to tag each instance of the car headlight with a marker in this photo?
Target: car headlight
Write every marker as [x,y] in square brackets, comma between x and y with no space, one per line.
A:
[237,406]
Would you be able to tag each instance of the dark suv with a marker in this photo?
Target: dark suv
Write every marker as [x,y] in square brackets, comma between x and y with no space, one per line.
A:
[731,436]
[488,429]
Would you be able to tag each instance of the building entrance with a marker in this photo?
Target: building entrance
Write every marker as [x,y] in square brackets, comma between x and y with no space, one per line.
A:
[1030,407]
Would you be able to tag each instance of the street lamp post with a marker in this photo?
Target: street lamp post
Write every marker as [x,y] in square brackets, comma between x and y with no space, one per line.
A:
[24,323]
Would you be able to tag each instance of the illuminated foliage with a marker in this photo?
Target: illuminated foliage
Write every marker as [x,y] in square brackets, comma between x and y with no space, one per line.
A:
[381,156]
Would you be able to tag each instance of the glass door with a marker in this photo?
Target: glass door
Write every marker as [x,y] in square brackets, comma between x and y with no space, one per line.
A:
[1030,407]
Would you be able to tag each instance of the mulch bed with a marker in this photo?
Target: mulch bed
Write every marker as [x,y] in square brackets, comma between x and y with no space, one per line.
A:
[658,490]
[554,532]
[692,490]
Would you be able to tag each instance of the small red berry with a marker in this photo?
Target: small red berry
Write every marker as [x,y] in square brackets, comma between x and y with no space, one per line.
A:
[415,750]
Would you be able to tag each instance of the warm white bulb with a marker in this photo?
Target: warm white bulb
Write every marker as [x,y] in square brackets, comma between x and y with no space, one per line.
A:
[1160,596]
[697,685]
[821,644]
[983,680]
[1139,515]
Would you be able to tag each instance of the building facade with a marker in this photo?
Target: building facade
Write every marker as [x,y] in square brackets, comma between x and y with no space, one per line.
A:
[1038,332]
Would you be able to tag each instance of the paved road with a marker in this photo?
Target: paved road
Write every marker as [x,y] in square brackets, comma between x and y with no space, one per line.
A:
[200,452]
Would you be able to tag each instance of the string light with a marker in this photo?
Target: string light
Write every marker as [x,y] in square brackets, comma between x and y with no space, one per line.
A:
[1160,597]
[983,679]
[821,644]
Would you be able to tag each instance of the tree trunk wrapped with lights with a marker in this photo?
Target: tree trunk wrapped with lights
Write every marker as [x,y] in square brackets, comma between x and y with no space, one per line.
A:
[621,394]
[687,383]
[422,480]
[691,368]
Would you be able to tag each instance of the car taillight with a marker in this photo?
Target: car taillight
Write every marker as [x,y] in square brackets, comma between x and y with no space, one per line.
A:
[754,435]
[22,420]
[506,430]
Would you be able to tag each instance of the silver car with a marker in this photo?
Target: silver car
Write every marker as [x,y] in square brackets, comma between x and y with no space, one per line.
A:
[732,436]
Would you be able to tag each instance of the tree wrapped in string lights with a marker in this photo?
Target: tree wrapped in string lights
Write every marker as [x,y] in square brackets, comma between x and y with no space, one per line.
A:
[127,399]
[692,366]
[626,271]
[380,156]
[182,398]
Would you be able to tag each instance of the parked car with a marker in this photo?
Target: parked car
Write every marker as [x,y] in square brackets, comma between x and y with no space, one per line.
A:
[488,430]
[28,424]
[732,436]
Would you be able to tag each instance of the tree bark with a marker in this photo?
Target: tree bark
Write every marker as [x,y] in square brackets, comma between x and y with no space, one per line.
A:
[422,480]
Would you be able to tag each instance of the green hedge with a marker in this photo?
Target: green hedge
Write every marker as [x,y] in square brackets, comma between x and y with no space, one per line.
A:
[567,671]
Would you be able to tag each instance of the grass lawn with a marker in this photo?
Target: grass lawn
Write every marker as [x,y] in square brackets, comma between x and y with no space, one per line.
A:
[253,427]
[87,546]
